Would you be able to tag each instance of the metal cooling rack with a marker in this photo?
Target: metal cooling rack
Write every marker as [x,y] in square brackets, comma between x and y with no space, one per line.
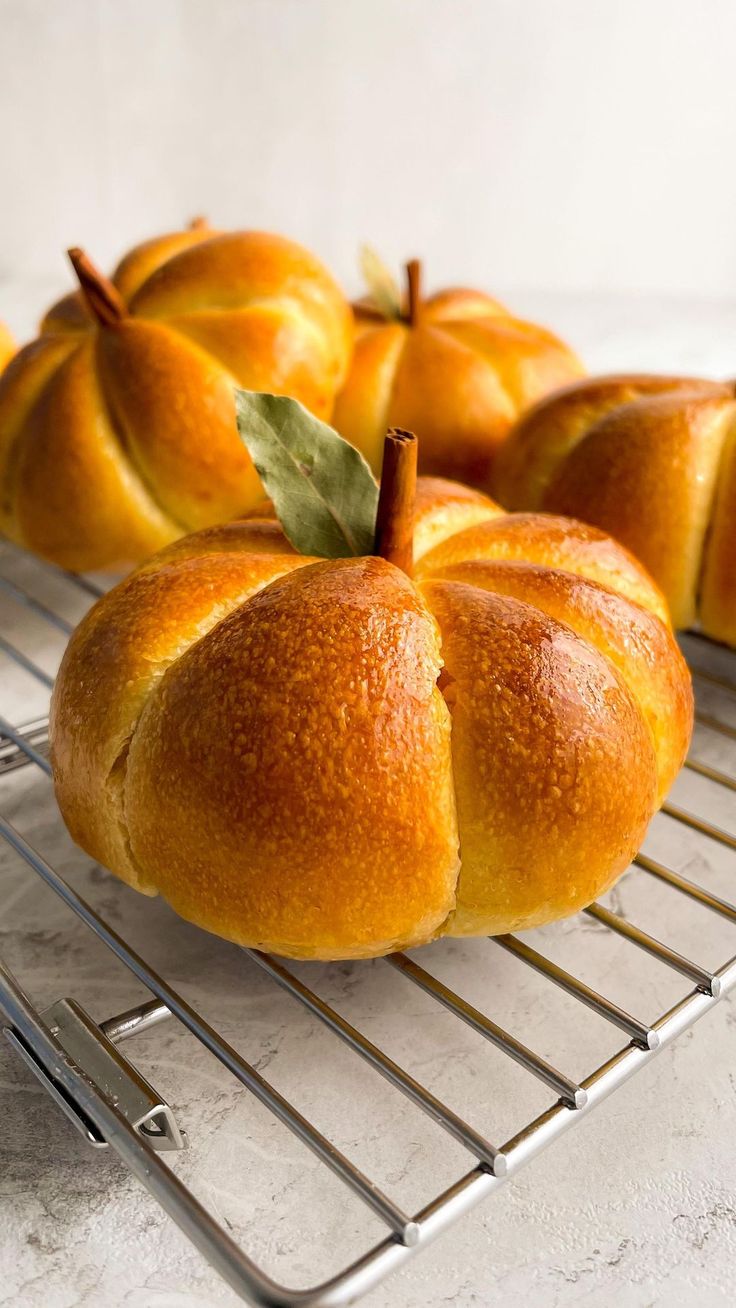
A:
[80,1064]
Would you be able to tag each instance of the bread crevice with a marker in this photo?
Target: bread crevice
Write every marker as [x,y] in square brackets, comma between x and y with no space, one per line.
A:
[115,787]
[446,684]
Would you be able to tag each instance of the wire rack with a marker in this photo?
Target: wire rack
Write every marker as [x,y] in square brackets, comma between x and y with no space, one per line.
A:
[80,1064]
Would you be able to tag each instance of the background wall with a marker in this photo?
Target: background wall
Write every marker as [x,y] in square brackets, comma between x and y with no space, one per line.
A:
[553,145]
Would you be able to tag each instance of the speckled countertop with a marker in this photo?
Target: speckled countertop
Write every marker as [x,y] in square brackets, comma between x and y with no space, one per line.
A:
[636,1206]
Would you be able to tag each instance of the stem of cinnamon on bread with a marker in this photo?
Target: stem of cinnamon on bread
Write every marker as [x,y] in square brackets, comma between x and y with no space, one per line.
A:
[395,516]
[103,299]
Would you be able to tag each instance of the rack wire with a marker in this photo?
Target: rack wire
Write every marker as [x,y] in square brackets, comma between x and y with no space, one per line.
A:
[105,1096]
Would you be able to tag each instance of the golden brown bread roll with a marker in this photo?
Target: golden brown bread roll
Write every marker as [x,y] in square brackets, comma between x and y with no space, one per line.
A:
[652,460]
[117,426]
[327,759]
[457,369]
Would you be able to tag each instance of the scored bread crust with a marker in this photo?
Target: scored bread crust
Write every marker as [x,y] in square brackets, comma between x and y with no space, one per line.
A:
[650,460]
[329,760]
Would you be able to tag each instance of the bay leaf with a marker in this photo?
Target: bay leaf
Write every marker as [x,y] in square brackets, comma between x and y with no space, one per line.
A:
[323,491]
[382,285]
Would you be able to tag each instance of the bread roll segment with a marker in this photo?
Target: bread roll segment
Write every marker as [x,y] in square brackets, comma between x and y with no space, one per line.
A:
[142,261]
[329,760]
[307,734]
[552,542]
[448,392]
[174,407]
[640,646]
[69,431]
[23,380]
[554,764]
[110,666]
[443,508]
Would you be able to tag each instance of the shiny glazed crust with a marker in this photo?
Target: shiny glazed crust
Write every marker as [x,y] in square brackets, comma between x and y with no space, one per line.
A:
[329,760]
[652,461]
[458,380]
[115,440]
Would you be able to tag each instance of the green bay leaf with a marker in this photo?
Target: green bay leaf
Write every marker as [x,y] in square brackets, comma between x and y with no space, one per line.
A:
[382,285]
[323,491]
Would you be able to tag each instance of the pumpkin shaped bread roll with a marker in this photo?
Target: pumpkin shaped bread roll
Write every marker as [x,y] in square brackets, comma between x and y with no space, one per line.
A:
[328,759]
[456,368]
[117,426]
[652,460]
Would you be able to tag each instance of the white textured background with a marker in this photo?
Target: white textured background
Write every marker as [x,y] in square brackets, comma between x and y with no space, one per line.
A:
[553,145]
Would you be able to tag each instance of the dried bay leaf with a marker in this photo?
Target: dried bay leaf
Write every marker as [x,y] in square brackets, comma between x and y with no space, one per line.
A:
[382,285]
[323,491]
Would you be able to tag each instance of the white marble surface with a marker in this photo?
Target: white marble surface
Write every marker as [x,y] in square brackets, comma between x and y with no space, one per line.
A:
[634,1207]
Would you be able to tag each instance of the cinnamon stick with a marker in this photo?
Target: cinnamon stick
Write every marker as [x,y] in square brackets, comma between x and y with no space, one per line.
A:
[198,223]
[414,291]
[395,517]
[104,300]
